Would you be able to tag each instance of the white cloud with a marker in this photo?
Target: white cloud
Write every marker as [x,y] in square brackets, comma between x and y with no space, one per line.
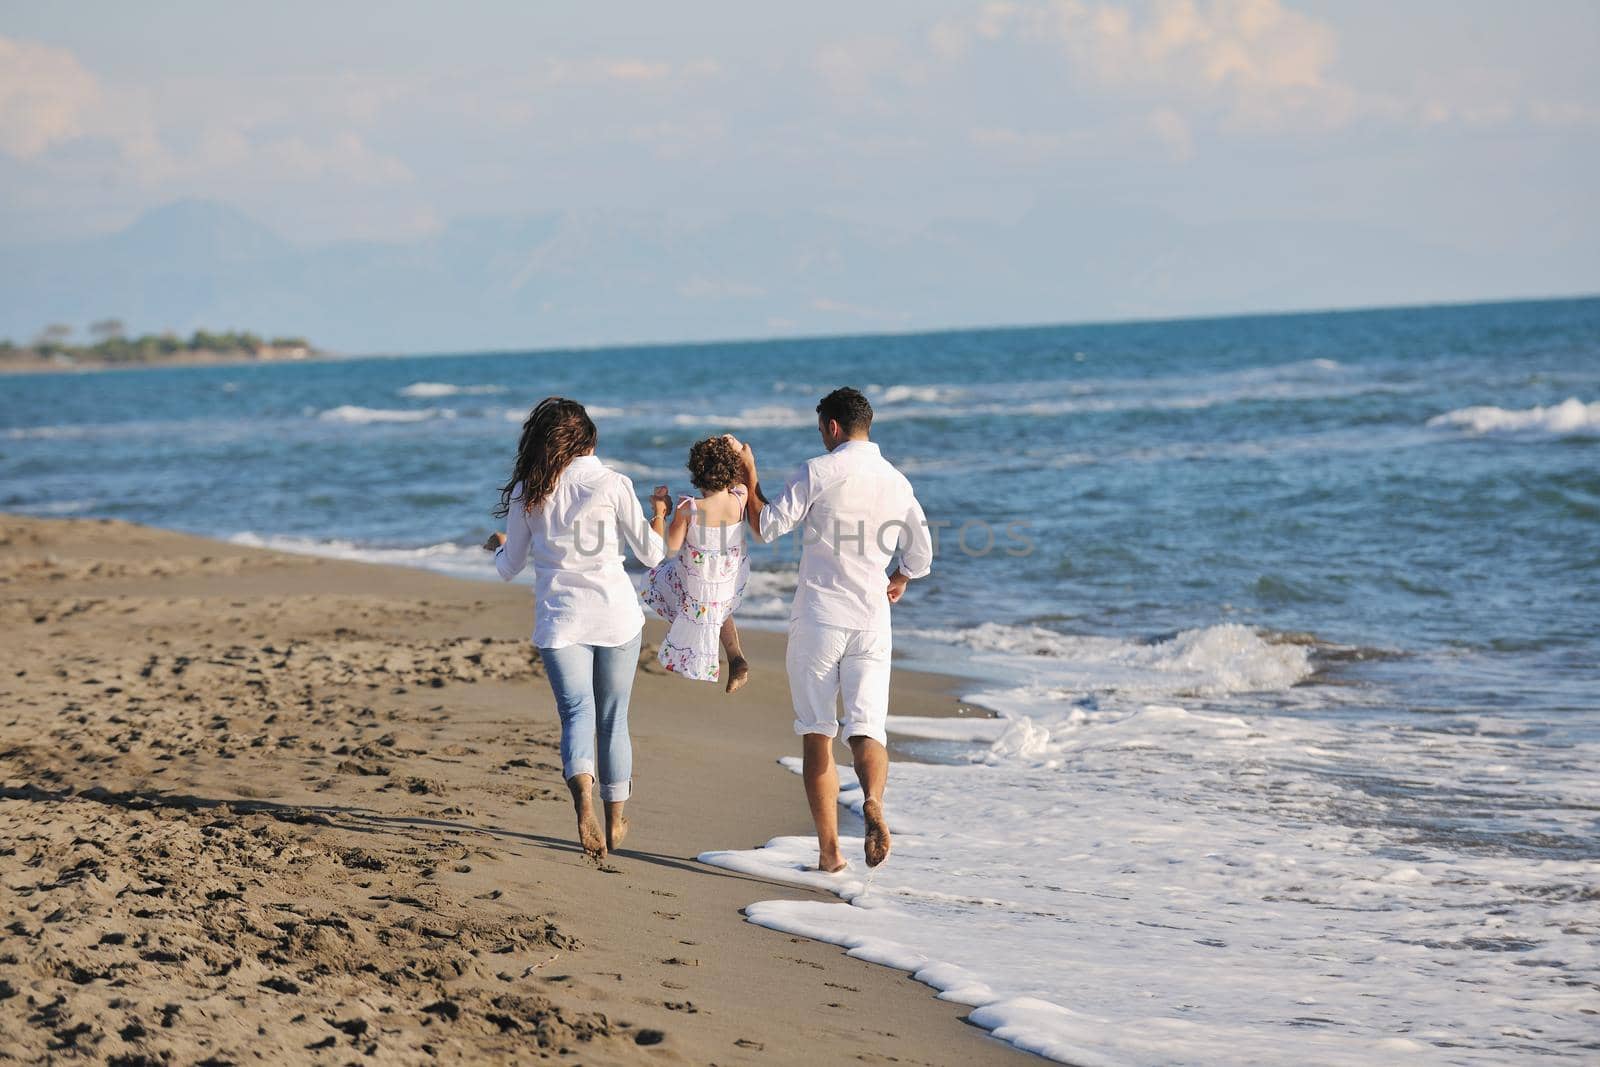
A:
[1257,55]
[45,95]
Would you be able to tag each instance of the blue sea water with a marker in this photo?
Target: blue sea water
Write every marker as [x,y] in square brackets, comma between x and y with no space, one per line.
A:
[1321,582]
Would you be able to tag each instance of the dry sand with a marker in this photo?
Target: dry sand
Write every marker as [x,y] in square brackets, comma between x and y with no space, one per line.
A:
[266,808]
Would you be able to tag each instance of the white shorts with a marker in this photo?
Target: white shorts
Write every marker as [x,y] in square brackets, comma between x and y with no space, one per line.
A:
[827,662]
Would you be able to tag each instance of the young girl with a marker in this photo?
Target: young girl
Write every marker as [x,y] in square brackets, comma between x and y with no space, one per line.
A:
[701,583]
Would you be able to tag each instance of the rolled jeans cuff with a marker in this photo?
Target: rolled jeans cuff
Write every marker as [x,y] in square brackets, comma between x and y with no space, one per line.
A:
[612,791]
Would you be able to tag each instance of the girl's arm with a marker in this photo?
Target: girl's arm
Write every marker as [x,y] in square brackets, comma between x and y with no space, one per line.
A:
[680,526]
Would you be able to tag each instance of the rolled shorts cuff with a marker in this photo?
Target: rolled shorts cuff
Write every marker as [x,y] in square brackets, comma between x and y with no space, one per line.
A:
[616,791]
[577,767]
[853,730]
[821,729]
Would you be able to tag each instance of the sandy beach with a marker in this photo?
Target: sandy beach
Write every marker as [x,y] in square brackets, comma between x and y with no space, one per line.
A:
[257,807]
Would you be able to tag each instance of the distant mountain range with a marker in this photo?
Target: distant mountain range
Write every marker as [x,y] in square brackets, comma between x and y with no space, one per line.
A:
[578,278]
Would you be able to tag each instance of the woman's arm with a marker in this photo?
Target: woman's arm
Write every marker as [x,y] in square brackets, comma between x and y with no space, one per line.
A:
[511,548]
[644,538]
[660,504]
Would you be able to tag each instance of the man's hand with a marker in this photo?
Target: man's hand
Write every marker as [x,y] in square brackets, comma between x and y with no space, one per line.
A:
[897,586]
[494,542]
[661,501]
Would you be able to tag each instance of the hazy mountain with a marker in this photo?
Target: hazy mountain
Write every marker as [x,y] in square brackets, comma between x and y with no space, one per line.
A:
[579,278]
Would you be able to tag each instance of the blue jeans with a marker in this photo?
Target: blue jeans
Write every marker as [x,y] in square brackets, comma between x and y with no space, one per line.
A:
[592,684]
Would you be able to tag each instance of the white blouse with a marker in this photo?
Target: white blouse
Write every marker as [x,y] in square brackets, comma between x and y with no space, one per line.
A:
[581,594]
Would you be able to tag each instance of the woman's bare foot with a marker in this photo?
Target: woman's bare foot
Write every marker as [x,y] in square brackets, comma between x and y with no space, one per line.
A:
[589,836]
[877,843]
[616,824]
[738,674]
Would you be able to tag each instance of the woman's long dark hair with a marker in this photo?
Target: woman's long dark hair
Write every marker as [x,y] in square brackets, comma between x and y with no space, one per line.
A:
[556,431]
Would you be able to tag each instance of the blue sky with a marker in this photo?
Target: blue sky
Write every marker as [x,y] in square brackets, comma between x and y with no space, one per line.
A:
[1455,124]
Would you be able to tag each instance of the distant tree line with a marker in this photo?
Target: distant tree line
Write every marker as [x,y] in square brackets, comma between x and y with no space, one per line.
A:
[112,345]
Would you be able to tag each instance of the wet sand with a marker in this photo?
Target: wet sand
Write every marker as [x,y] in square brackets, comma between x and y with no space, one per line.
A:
[265,808]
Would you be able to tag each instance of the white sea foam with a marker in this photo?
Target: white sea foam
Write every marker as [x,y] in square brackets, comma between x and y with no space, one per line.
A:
[761,416]
[461,561]
[1211,661]
[636,470]
[54,433]
[1109,876]
[1153,885]
[352,413]
[437,389]
[596,411]
[923,394]
[767,594]
[1571,416]
[61,507]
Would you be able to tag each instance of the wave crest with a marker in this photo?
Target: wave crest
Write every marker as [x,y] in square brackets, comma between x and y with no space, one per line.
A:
[354,413]
[1209,661]
[437,389]
[1571,416]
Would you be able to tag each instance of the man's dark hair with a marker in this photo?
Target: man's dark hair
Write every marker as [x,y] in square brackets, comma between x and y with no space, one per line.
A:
[848,408]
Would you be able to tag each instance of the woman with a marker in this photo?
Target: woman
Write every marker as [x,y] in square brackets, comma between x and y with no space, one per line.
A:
[571,513]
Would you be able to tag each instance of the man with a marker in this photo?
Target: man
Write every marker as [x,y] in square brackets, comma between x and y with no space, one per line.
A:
[856,513]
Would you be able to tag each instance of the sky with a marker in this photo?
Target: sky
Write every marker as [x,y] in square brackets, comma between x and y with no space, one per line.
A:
[1462,124]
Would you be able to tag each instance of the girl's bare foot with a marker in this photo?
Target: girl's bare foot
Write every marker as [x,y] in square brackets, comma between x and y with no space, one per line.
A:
[616,825]
[877,843]
[738,674]
[589,836]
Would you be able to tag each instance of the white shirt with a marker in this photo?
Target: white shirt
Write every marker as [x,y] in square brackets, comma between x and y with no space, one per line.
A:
[858,514]
[581,594]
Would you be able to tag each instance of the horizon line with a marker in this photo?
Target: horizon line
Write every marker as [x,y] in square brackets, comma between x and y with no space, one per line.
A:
[931,331]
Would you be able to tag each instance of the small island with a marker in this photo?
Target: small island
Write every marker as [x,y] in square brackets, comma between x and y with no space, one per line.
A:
[52,350]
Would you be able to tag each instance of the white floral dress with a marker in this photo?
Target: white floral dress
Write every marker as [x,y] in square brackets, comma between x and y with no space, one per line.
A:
[695,591]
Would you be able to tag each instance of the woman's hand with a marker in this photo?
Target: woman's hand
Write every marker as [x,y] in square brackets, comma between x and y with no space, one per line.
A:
[661,501]
[494,542]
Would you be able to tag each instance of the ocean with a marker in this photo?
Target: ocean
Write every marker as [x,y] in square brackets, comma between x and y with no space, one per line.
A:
[1292,625]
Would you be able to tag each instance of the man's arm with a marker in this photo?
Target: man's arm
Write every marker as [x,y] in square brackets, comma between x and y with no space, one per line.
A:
[916,551]
[754,499]
[770,520]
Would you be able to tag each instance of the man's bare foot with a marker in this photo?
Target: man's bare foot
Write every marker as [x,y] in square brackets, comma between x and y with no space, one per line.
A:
[831,865]
[589,835]
[738,674]
[616,826]
[877,843]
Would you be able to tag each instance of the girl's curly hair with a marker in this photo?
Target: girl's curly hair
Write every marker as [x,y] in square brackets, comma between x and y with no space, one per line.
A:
[714,465]
[557,431]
